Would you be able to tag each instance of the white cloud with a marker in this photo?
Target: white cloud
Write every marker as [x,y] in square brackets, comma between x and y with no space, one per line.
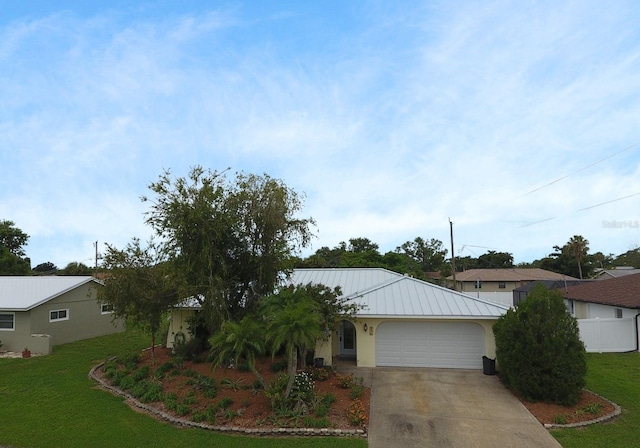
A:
[402,118]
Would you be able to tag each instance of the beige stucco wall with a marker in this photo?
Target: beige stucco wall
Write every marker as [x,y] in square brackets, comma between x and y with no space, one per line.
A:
[366,341]
[178,323]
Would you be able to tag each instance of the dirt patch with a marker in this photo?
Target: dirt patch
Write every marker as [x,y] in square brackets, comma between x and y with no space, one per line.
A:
[246,405]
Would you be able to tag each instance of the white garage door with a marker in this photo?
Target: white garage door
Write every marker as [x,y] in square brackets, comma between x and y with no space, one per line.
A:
[458,345]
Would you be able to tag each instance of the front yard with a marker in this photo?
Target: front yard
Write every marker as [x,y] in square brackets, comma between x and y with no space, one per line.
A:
[49,401]
[615,376]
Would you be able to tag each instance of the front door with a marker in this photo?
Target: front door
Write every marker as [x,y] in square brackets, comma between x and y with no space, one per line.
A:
[347,339]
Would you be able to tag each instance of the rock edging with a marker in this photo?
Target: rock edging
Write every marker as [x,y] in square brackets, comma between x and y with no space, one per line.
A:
[617,410]
[324,432]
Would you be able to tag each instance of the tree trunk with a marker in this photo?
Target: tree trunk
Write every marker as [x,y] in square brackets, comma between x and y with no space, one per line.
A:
[293,362]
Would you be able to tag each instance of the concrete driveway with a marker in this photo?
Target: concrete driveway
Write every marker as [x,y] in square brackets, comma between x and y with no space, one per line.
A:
[448,408]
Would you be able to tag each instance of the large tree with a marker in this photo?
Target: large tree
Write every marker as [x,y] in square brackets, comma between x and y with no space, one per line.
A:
[229,240]
[430,254]
[138,286]
[12,256]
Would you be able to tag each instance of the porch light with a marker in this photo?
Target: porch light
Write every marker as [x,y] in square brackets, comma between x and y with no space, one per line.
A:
[366,327]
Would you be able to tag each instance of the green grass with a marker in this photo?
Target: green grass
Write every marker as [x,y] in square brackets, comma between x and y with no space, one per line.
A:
[615,376]
[49,401]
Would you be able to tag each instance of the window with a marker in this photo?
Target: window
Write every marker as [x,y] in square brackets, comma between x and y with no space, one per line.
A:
[618,313]
[502,285]
[570,306]
[478,284]
[7,321]
[105,308]
[58,315]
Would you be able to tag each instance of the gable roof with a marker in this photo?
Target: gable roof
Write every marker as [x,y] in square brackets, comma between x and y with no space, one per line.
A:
[23,293]
[620,271]
[550,284]
[508,275]
[389,294]
[622,291]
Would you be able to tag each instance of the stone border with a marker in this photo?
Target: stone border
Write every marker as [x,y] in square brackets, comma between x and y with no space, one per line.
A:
[324,432]
[616,412]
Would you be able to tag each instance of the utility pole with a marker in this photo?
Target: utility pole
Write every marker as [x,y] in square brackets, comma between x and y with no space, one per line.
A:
[453,257]
[98,256]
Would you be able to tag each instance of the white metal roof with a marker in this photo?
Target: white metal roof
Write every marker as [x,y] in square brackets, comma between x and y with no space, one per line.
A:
[388,294]
[23,293]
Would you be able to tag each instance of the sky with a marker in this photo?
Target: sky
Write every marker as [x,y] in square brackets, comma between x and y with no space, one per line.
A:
[518,121]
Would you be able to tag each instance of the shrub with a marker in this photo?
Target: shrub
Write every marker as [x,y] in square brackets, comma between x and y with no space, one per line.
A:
[303,387]
[318,373]
[275,391]
[225,403]
[356,391]
[141,373]
[593,408]
[328,399]
[279,366]
[356,415]
[344,381]
[539,350]
[560,420]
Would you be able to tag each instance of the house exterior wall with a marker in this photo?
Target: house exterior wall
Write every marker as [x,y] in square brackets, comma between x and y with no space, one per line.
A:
[596,310]
[580,310]
[366,341]
[85,319]
[17,339]
[179,323]
[490,286]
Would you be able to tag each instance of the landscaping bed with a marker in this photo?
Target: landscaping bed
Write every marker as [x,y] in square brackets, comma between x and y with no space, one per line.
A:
[232,397]
[590,407]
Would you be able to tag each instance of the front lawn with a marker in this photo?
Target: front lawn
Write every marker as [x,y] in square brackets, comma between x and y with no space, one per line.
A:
[615,376]
[49,401]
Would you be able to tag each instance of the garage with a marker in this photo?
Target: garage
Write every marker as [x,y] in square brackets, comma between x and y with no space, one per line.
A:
[457,345]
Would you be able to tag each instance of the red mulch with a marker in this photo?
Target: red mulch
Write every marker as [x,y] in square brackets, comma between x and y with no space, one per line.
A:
[252,406]
[547,413]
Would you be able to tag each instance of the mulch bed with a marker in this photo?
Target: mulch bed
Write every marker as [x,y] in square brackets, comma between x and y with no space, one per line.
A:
[250,406]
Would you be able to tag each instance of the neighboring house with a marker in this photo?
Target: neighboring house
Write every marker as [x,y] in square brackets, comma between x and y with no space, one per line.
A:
[607,312]
[521,293]
[497,285]
[404,322]
[41,312]
[620,271]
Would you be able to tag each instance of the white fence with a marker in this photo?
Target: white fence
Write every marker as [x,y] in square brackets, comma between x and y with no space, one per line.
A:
[608,335]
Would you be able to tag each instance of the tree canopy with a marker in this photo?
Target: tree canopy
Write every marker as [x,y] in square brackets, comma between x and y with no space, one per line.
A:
[13,260]
[138,286]
[229,240]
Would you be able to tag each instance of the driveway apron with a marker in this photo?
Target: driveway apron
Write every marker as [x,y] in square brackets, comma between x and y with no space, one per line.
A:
[449,408]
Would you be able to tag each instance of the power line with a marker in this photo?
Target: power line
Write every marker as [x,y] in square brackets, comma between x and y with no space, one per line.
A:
[608,202]
[578,171]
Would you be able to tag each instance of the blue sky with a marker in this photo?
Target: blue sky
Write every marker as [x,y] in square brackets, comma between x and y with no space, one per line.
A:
[516,120]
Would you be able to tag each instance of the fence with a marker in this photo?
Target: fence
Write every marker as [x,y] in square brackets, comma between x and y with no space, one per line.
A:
[608,335]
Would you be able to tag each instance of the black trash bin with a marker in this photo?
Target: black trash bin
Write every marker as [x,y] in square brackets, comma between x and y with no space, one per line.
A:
[488,366]
[318,362]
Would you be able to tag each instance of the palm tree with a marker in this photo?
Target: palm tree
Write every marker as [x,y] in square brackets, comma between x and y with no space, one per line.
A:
[294,322]
[239,340]
[578,247]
